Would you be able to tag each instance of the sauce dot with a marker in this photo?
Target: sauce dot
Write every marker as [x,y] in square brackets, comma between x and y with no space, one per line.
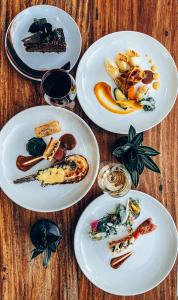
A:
[156,85]
[156,76]
[150,61]
[153,68]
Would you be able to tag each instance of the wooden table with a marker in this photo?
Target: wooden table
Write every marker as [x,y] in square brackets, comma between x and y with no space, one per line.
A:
[20,278]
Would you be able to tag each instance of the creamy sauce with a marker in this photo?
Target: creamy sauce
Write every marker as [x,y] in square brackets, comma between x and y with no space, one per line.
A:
[103,94]
[153,68]
[156,76]
[156,85]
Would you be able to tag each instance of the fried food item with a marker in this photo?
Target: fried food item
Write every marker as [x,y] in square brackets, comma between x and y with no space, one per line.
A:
[146,227]
[111,68]
[141,92]
[51,149]
[129,78]
[47,129]
[122,62]
[132,53]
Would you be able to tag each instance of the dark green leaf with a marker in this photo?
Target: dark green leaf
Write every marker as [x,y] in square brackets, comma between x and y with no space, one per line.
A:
[47,256]
[139,150]
[130,160]
[150,164]
[140,165]
[127,163]
[138,139]
[135,178]
[148,150]
[52,238]
[126,147]
[118,152]
[35,253]
[131,134]
[53,247]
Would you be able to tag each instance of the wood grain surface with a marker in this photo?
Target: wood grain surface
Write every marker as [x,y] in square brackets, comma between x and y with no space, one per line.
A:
[22,279]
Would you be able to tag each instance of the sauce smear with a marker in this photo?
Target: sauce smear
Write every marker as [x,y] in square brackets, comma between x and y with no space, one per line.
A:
[103,94]
[25,163]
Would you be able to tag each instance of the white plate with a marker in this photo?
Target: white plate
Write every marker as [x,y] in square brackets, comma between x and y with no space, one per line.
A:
[91,70]
[154,254]
[13,139]
[18,29]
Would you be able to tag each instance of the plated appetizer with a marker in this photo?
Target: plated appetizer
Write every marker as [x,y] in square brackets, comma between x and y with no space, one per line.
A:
[123,216]
[64,169]
[146,227]
[44,38]
[133,85]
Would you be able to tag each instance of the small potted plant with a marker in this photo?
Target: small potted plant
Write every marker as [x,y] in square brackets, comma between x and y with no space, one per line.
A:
[134,156]
[45,236]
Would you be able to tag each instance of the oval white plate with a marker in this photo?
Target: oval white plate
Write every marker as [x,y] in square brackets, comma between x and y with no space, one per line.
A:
[18,29]
[91,70]
[154,254]
[13,139]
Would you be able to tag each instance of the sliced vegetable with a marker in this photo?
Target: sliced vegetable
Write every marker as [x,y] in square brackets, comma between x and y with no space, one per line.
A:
[130,104]
[131,93]
[119,94]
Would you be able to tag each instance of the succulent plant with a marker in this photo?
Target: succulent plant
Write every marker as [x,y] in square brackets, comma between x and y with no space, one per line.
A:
[45,236]
[135,156]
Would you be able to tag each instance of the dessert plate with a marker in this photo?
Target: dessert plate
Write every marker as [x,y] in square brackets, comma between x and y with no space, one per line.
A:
[33,64]
[91,71]
[13,137]
[153,255]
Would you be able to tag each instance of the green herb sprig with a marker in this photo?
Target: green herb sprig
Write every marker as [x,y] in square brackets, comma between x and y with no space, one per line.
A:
[134,155]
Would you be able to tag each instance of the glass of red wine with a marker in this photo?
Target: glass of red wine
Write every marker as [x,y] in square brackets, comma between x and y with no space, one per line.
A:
[59,88]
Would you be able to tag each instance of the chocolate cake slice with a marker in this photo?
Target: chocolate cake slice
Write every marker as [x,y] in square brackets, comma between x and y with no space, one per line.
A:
[45,39]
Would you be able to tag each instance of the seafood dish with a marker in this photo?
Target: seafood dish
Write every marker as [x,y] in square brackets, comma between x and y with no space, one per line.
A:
[118,245]
[72,169]
[133,85]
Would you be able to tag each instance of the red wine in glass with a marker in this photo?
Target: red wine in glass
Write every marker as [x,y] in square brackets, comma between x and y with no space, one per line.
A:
[59,88]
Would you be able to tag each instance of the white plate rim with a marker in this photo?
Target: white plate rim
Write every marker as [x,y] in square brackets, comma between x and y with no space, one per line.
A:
[100,286]
[42,5]
[79,95]
[97,157]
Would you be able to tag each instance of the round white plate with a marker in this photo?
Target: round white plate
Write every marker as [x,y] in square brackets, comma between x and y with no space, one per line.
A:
[13,139]
[154,253]
[91,70]
[18,29]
